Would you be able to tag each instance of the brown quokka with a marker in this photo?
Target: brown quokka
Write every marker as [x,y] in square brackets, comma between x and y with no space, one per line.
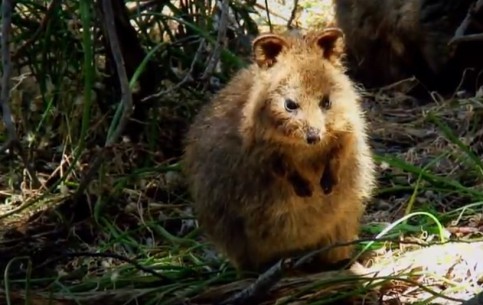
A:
[279,163]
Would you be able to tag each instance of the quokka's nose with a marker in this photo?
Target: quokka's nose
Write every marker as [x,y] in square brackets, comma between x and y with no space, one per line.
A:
[313,136]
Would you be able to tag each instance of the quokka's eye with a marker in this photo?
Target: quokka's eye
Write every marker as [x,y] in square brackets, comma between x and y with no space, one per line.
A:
[290,105]
[325,102]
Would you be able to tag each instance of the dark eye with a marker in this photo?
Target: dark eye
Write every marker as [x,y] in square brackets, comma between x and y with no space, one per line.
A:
[325,103]
[290,105]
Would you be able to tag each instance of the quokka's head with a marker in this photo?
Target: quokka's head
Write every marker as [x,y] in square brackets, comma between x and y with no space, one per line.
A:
[301,94]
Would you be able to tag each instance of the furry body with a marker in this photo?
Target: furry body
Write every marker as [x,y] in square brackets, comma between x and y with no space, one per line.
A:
[261,191]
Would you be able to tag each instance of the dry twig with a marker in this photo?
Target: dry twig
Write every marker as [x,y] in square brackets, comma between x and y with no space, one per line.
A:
[467,38]
[222,27]
[268,279]
[271,12]
[293,14]
[268,17]
[261,286]
[459,35]
[185,79]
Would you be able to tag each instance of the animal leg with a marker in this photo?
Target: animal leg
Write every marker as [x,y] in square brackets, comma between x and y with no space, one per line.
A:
[301,186]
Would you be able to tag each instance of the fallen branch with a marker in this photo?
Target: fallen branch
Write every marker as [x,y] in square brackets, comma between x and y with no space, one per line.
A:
[261,286]
[268,279]
[12,141]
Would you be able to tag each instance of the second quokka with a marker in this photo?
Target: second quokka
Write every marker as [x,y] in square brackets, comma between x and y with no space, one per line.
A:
[279,162]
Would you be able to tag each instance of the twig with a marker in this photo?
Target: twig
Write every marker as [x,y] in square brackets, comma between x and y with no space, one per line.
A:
[261,286]
[185,78]
[12,140]
[126,96]
[273,275]
[137,6]
[292,15]
[268,16]
[271,12]
[43,23]
[460,31]
[402,85]
[222,26]
[467,38]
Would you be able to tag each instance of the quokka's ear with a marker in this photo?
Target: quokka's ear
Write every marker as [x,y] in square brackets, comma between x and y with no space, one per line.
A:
[330,41]
[266,48]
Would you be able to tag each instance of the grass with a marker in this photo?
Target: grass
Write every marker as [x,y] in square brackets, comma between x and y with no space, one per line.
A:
[132,238]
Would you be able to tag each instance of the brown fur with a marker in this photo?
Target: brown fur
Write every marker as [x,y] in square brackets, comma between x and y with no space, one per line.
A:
[260,191]
[394,39]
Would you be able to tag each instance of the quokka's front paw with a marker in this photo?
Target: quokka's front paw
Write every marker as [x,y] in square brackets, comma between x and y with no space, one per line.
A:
[326,181]
[301,186]
[332,170]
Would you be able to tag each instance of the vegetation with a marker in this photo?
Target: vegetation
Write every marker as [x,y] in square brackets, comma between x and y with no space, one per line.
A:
[94,207]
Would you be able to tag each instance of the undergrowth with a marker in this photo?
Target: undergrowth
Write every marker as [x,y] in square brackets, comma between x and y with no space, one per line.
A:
[130,237]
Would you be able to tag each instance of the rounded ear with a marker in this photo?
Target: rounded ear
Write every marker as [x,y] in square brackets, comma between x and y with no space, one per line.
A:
[328,40]
[266,48]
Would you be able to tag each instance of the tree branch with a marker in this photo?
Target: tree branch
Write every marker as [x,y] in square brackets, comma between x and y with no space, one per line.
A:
[185,79]
[126,96]
[267,10]
[222,26]
[293,14]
